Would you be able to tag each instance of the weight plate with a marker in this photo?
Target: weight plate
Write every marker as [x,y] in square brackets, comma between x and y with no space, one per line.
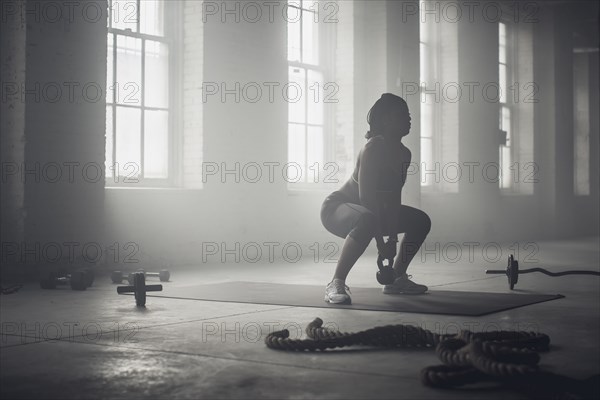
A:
[89,277]
[116,277]
[48,280]
[164,275]
[78,281]
[139,282]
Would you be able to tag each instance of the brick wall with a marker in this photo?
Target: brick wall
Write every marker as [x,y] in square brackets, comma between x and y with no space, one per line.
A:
[12,125]
[64,132]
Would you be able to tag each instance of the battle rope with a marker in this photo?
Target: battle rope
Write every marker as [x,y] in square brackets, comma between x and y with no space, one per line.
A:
[10,289]
[509,357]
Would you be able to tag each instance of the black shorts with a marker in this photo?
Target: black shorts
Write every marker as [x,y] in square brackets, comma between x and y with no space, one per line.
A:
[342,217]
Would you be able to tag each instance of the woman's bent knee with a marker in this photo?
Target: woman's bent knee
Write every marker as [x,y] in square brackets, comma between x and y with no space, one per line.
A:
[426,223]
[420,224]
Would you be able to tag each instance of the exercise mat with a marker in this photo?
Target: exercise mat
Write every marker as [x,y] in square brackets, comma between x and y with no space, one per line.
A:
[433,302]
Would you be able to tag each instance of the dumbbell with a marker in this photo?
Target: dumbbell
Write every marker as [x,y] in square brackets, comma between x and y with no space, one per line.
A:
[139,288]
[163,275]
[118,276]
[89,276]
[512,272]
[78,280]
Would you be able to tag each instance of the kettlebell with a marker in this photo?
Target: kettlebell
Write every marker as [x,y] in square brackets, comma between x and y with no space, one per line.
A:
[385,275]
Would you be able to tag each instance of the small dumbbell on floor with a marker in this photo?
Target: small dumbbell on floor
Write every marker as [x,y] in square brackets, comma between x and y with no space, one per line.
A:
[163,275]
[78,280]
[118,276]
[139,288]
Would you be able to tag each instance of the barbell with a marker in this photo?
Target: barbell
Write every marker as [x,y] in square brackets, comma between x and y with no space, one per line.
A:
[512,272]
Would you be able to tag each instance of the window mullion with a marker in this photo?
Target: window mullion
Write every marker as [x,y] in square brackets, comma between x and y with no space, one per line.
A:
[137,22]
[142,114]
[114,105]
[163,39]
[143,78]
[301,39]
[305,121]
[110,14]
[171,19]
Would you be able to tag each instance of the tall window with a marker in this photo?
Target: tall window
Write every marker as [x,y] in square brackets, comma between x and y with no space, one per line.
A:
[438,49]
[428,110]
[307,69]
[581,123]
[505,123]
[138,110]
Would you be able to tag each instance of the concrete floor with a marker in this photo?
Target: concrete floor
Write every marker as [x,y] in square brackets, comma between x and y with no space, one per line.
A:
[197,349]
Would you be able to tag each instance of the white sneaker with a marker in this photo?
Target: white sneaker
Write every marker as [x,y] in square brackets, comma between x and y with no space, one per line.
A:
[335,292]
[403,285]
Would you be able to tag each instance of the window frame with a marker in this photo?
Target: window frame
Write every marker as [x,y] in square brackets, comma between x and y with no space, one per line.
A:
[511,80]
[325,66]
[433,55]
[172,38]
[578,191]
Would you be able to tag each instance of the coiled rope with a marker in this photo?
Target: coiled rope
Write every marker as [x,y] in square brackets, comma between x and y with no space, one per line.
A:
[510,357]
[10,289]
